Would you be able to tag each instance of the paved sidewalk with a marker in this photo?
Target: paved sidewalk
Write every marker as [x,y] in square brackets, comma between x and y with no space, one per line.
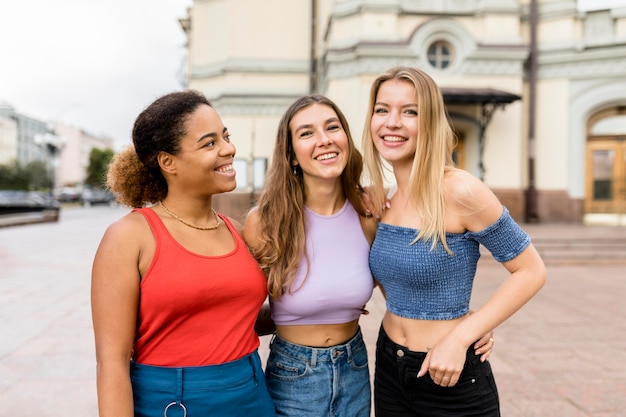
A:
[563,355]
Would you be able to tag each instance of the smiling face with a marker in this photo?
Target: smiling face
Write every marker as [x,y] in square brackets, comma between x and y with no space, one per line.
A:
[394,123]
[320,143]
[206,153]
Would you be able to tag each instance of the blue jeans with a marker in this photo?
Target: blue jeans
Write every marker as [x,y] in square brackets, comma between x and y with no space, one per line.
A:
[399,393]
[319,382]
[232,389]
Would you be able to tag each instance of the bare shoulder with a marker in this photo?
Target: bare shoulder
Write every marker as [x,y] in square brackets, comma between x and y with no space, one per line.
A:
[131,227]
[125,244]
[250,228]
[470,201]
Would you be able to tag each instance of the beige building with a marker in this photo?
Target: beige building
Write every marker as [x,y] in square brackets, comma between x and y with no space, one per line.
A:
[536,89]
[8,142]
[75,147]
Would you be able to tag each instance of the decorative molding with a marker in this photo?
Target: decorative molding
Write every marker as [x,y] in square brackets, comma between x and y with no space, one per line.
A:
[254,105]
[264,66]
[500,60]
[492,67]
[595,63]
[426,7]
[447,30]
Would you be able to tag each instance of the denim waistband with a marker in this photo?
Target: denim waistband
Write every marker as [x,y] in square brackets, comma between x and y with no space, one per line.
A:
[401,353]
[197,377]
[318,354]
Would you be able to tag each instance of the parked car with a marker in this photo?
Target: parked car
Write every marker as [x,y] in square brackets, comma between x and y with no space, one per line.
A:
[14,202]
[92,196]
[67,194]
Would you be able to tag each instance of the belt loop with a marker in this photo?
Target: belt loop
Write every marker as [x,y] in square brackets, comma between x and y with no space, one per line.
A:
[179,395]
[349,351]
[252,364]
[179,385]
[313,358]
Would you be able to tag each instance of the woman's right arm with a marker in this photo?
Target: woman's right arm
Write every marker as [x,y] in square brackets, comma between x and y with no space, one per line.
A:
[264,323]
[114,304]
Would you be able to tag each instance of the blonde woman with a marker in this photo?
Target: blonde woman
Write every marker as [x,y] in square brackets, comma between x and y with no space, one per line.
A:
[425,254]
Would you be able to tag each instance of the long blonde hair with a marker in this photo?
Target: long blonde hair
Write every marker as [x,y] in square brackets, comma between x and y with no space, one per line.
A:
[433,155]
[281,228]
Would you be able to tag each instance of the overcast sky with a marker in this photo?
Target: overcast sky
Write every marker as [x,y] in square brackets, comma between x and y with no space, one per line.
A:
[90,64]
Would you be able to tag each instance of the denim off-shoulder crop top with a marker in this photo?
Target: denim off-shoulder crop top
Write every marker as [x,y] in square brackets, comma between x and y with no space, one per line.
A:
[434,285]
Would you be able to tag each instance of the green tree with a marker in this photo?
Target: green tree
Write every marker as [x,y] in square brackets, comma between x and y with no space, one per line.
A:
[31,177]
[38,176]
[99,160]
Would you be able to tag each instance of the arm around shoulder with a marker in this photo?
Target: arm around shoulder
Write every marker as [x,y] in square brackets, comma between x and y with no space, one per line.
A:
[264,324]
[251,229]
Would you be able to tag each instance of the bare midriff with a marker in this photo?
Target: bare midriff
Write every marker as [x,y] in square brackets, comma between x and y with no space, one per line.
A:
[318,335]
[417,335]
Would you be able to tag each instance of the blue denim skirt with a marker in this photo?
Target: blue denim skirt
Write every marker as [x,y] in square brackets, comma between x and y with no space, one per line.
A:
[319,382]
[232,389]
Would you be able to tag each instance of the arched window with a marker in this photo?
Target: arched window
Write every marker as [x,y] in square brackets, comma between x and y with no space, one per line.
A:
[612,125]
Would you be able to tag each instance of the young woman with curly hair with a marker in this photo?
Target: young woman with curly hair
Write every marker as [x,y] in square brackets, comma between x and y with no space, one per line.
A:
[175,291]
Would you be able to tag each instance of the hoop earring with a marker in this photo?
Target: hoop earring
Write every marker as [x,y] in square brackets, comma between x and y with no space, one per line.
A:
[295,172]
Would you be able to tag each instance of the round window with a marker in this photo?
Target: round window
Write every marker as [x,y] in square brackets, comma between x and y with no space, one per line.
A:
[440,54]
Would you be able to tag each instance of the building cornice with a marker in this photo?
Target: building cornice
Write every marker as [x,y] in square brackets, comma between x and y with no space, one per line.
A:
[594,63]
[253,104]
[426,7]
[247,66]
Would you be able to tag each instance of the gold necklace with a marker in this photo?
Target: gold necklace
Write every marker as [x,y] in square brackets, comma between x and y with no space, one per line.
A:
[217,219]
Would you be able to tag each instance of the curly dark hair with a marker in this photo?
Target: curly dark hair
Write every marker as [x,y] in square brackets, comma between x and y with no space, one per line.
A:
[134,174]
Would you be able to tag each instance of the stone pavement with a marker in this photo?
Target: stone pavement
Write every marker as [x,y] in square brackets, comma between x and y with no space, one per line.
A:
[562,355]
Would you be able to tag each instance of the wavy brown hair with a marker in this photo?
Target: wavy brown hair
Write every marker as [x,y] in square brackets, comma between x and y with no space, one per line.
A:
[281,204]
[433,156]
[134,174]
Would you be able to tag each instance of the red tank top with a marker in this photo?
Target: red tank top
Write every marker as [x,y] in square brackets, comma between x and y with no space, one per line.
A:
[197,310]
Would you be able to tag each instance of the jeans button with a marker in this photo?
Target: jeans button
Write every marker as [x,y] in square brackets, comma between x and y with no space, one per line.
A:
[400,353]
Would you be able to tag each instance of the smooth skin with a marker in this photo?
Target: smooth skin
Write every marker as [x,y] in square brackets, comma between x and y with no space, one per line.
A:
[202,168]
[469,206]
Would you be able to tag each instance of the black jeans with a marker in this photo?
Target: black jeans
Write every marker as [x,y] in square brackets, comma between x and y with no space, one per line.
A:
[399,393]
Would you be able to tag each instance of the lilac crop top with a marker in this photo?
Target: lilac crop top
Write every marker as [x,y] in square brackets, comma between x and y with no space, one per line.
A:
[420,284]
[339,283]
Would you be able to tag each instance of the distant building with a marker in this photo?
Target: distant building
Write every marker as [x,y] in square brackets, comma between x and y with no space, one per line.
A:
[22,147]
[536,89]
[76,145]
[8,137]
[64,149]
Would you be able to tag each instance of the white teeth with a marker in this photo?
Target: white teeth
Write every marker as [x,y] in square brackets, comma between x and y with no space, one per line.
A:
[393,139]
[226,168]
[326,156]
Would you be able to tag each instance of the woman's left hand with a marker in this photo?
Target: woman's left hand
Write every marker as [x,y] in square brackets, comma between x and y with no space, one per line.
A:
[484,346]
[444,363]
